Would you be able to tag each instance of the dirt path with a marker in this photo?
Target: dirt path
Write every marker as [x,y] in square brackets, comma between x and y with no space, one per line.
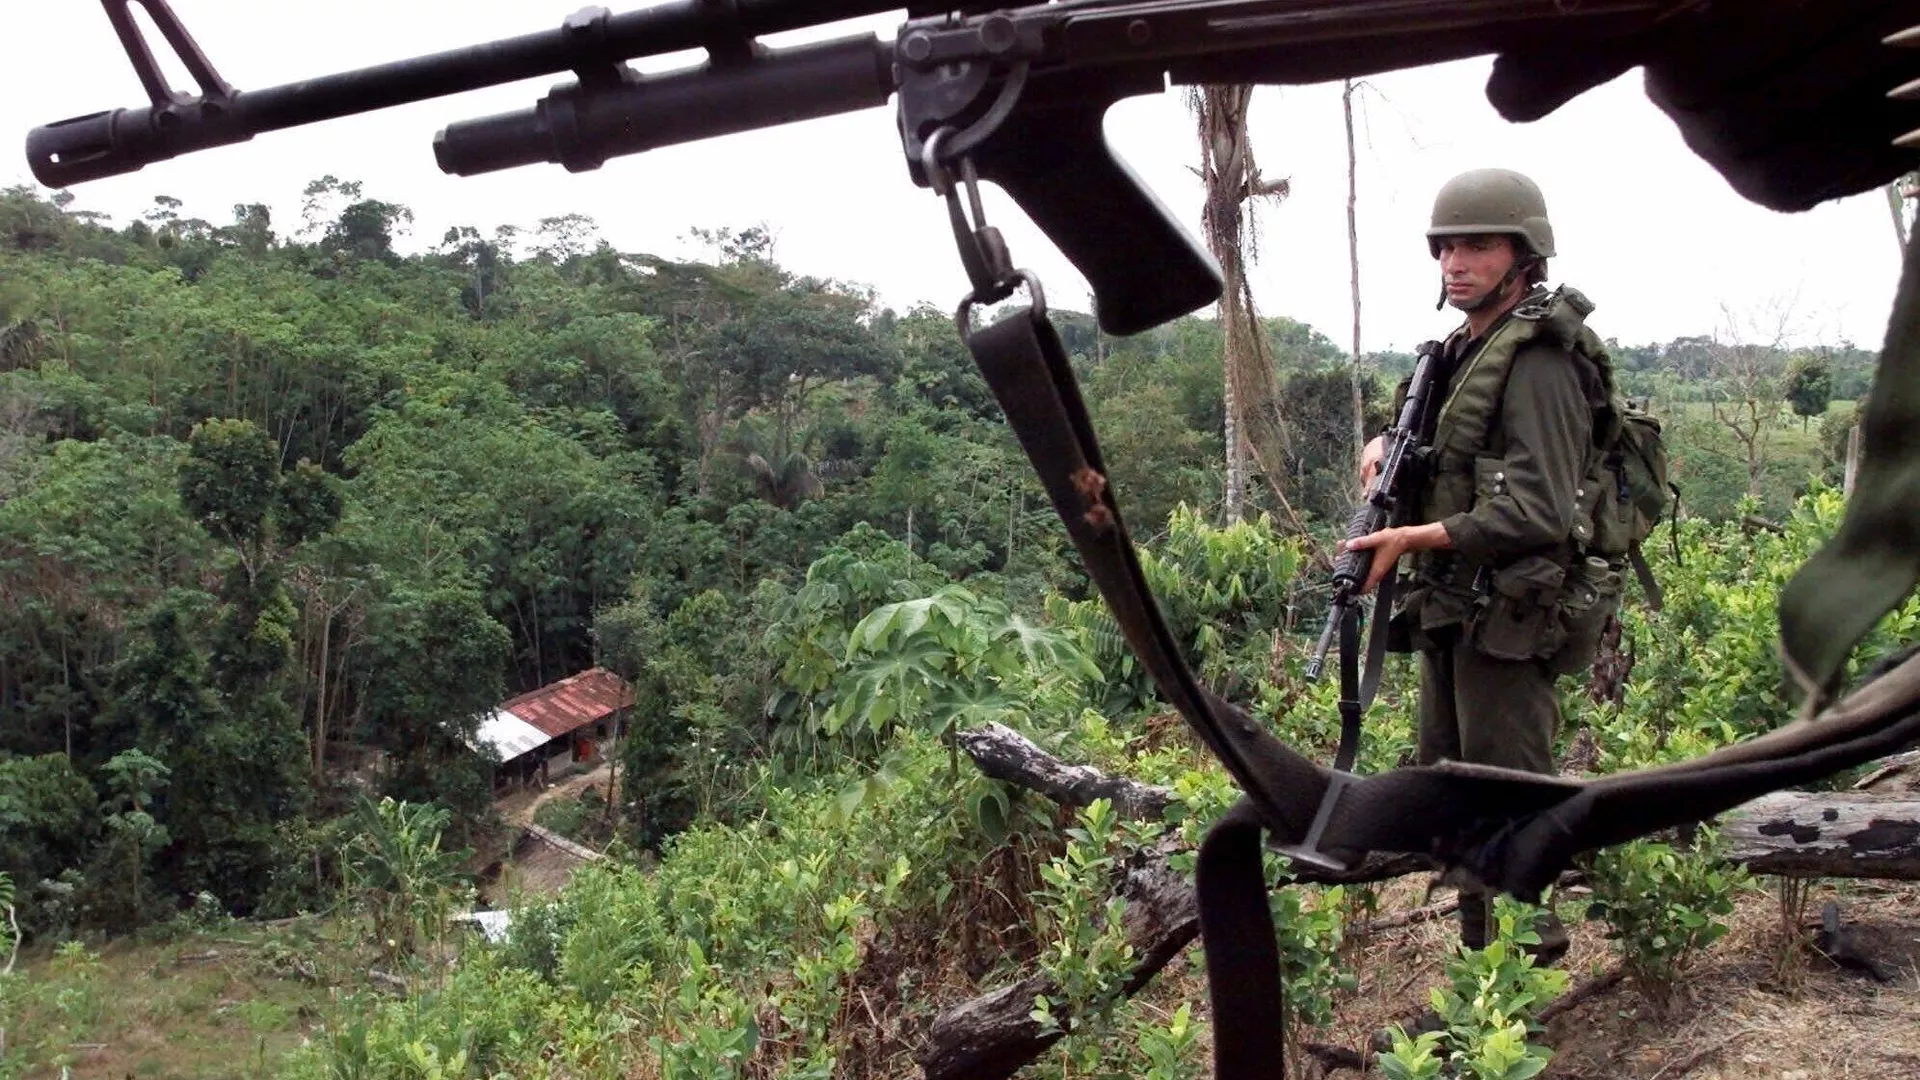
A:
[519,807]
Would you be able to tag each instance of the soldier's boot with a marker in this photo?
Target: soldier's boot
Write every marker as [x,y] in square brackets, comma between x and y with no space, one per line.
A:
[1476,911]
[1415,1026]
[1553,940]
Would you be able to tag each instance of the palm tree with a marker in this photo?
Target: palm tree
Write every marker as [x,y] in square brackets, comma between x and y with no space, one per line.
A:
[783,472]
[20,344]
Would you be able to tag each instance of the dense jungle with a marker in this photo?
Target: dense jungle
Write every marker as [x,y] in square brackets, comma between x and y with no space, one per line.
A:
[286,513]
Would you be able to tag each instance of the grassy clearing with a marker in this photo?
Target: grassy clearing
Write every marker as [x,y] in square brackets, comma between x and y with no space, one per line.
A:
[226,1002]
[1710,462]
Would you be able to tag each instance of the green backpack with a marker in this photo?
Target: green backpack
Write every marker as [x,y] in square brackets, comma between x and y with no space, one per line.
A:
[1636,491]
[1629,463]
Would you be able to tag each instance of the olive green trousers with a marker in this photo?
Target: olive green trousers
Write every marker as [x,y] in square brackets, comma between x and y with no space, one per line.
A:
[1477,709]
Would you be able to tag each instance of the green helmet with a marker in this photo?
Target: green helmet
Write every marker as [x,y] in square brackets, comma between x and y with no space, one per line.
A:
[1492,201]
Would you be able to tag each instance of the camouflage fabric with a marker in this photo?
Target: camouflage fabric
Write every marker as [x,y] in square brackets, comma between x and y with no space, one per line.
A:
[1872,563]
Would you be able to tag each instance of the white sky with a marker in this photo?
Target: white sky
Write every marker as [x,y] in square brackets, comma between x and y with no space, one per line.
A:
[1654,236]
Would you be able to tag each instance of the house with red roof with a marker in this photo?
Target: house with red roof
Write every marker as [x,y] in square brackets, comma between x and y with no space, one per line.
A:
[572,719]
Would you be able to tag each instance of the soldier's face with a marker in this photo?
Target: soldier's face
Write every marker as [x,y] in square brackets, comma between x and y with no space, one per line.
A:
[1472,266]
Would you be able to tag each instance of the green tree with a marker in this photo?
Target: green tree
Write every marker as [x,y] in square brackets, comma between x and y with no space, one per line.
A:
[134,835]
[94,538]
[234,755]
[1809,387]
[48,818]
[240,772]
[1318,404]
[935,368]
[908,479]
[1158,462]
[252,229]
[364,230]
[676,672]
[430,671]
[745,335]
[227,485]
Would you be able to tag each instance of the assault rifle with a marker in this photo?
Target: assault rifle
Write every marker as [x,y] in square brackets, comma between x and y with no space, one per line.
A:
[1351,569]
[1353,566]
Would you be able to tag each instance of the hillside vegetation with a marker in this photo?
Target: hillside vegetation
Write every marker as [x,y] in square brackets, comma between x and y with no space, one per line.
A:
[283,517]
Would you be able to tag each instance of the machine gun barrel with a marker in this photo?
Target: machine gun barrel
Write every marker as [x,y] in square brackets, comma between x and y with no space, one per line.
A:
[117,141]
[1192,40]
[581,125]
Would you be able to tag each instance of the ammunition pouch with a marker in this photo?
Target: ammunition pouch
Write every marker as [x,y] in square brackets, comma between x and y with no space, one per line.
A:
[1404,634]
[1519,618]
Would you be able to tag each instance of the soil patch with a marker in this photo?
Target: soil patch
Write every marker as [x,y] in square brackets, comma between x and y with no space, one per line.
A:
[1753,1006]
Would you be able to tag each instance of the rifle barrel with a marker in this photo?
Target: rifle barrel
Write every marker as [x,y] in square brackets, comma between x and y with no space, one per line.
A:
[1336,611]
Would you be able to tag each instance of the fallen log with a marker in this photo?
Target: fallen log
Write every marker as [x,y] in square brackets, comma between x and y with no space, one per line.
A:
[1899,765]
[585,854]
[1005,754]
[1825,834]
[992,1036]
[1410,917]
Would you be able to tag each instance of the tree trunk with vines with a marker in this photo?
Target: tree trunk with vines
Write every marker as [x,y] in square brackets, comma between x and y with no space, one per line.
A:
[1252,392]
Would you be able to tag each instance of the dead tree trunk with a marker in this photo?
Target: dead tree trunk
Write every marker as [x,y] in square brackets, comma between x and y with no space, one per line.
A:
[1799,834]
[1353,261]
[1005,754]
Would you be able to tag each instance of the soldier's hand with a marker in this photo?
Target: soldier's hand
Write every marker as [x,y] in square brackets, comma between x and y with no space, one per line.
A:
[1789,101]
[1389,544]
[1370,459]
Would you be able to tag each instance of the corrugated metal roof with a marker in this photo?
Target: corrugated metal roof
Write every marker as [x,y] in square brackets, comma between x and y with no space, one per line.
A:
[573,702]
[509,735]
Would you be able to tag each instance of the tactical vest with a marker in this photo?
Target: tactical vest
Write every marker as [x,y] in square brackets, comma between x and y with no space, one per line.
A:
[1464,429]
[1545,606]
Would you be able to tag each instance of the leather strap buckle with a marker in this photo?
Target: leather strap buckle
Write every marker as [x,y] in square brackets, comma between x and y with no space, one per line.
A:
[1308,850]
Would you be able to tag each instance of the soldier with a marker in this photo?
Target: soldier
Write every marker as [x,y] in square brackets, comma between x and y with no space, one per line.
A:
[1504,595]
